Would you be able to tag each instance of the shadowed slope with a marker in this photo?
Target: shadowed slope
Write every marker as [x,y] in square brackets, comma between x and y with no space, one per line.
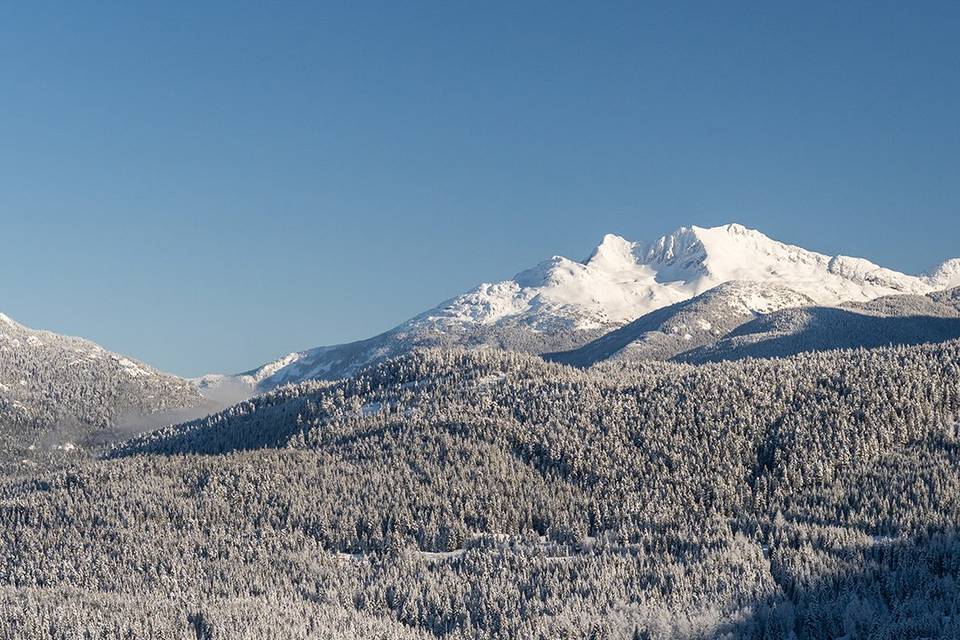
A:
[666,332]
[793,331]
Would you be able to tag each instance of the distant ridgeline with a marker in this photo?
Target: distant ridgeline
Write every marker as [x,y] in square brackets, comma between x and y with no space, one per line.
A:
[466,494]
[725,324]
[656,300]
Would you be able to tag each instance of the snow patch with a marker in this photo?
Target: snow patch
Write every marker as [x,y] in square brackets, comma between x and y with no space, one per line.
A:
[130,367]
[440,556]
[490,379]
[945,276]
[371,409]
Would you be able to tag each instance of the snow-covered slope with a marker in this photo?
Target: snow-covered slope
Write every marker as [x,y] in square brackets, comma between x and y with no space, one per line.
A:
[890,320]
[946,275]
[622,280]
[561,304]
[948,297]
[73,387]
[683,326]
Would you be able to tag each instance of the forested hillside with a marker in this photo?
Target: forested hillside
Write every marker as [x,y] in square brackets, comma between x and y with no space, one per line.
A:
[451,494]
[58,393]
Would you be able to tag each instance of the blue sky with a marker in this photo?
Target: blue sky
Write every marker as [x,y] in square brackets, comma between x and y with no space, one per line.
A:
[206,186]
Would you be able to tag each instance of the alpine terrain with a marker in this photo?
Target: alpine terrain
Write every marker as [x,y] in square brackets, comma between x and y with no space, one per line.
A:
[562,304]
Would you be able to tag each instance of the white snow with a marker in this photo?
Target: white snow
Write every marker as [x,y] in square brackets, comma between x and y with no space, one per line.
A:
[370,409]
[945,276]
[130,367]
[748,298]
[440,556]
[623,280]
[491,379]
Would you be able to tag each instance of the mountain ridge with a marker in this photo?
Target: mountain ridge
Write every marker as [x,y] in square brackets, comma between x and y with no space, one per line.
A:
[672,330]
[58,392]
[889,320]
[562,304]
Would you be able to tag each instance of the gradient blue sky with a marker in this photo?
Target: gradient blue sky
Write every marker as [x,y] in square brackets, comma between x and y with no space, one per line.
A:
[208,185]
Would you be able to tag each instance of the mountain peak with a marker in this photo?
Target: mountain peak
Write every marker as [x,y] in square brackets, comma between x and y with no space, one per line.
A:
[735,227]
[731,228]
[946,275]
[622,280]
[689,243]
[612,250]
[560,302]
[732,232]
[613,241]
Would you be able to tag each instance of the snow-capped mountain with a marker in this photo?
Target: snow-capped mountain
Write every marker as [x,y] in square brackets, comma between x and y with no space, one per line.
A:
[74,387]
[561,304]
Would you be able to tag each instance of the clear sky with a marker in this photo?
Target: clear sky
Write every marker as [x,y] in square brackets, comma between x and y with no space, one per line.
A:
[208,185]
